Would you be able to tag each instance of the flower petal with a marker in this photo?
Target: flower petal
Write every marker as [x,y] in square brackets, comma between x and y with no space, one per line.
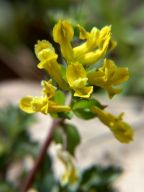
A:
[84,92]
[70,175]
[76,75]
[107,76]
[48,89]
[44,50]
[62,34]
[54,70]
[54,107]
[40,104]
[121,130]
[25,104]
[90,44]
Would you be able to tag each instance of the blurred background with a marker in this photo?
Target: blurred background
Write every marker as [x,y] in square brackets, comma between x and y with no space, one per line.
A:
[22,23]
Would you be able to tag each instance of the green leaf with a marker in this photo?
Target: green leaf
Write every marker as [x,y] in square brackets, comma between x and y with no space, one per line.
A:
[6,187]
[45,180]
[67,135]
[99,178]
[58,135]
[82,108]
[13,121]
[65,115]
[73,137]
[59,97]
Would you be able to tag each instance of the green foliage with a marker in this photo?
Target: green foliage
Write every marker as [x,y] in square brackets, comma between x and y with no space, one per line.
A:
[13,121]
[73,137]
[58,136]
[96,179]
[6,187]
[68,136]
[45,180]
[15,142]
[59,97]
[65,115]
[82,108]
[16,145]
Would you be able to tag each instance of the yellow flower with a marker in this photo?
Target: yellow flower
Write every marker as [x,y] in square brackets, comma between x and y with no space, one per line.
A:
[44,50]
[90,44]
[63,33]
[121,130]
[77,79]
[48,89]
[96,46]
[70,175]
[43,104]
[74,74]
[48,61]
[97,43]
[107,76]
[31,104]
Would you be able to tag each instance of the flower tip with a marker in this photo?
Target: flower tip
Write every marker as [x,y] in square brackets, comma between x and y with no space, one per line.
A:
[25,104]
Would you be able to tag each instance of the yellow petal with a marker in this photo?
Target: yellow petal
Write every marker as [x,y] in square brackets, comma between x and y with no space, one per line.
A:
[46,54]
[104,37]
[103,41]
[77,79]
[25,104]
[84,92]
[115,75]
[121,75]
[62,34]
[76,75]
[62,31]
[54,70]
[48,89]
[97,78]
[121,130]
[90,44]
[70,175]
[92,57]
[44,50]
[107,76]
[112,91]
[83,33]
[54,107]
[40,104]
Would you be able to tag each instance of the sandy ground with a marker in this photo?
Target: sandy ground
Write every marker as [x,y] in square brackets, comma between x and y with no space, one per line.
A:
[98,144]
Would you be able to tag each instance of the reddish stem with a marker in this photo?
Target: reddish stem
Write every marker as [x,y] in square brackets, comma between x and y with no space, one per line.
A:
[41,156]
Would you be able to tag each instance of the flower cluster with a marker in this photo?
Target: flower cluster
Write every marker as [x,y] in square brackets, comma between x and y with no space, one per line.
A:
[44,104]
[79,72]
[83,67]
[75,75]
